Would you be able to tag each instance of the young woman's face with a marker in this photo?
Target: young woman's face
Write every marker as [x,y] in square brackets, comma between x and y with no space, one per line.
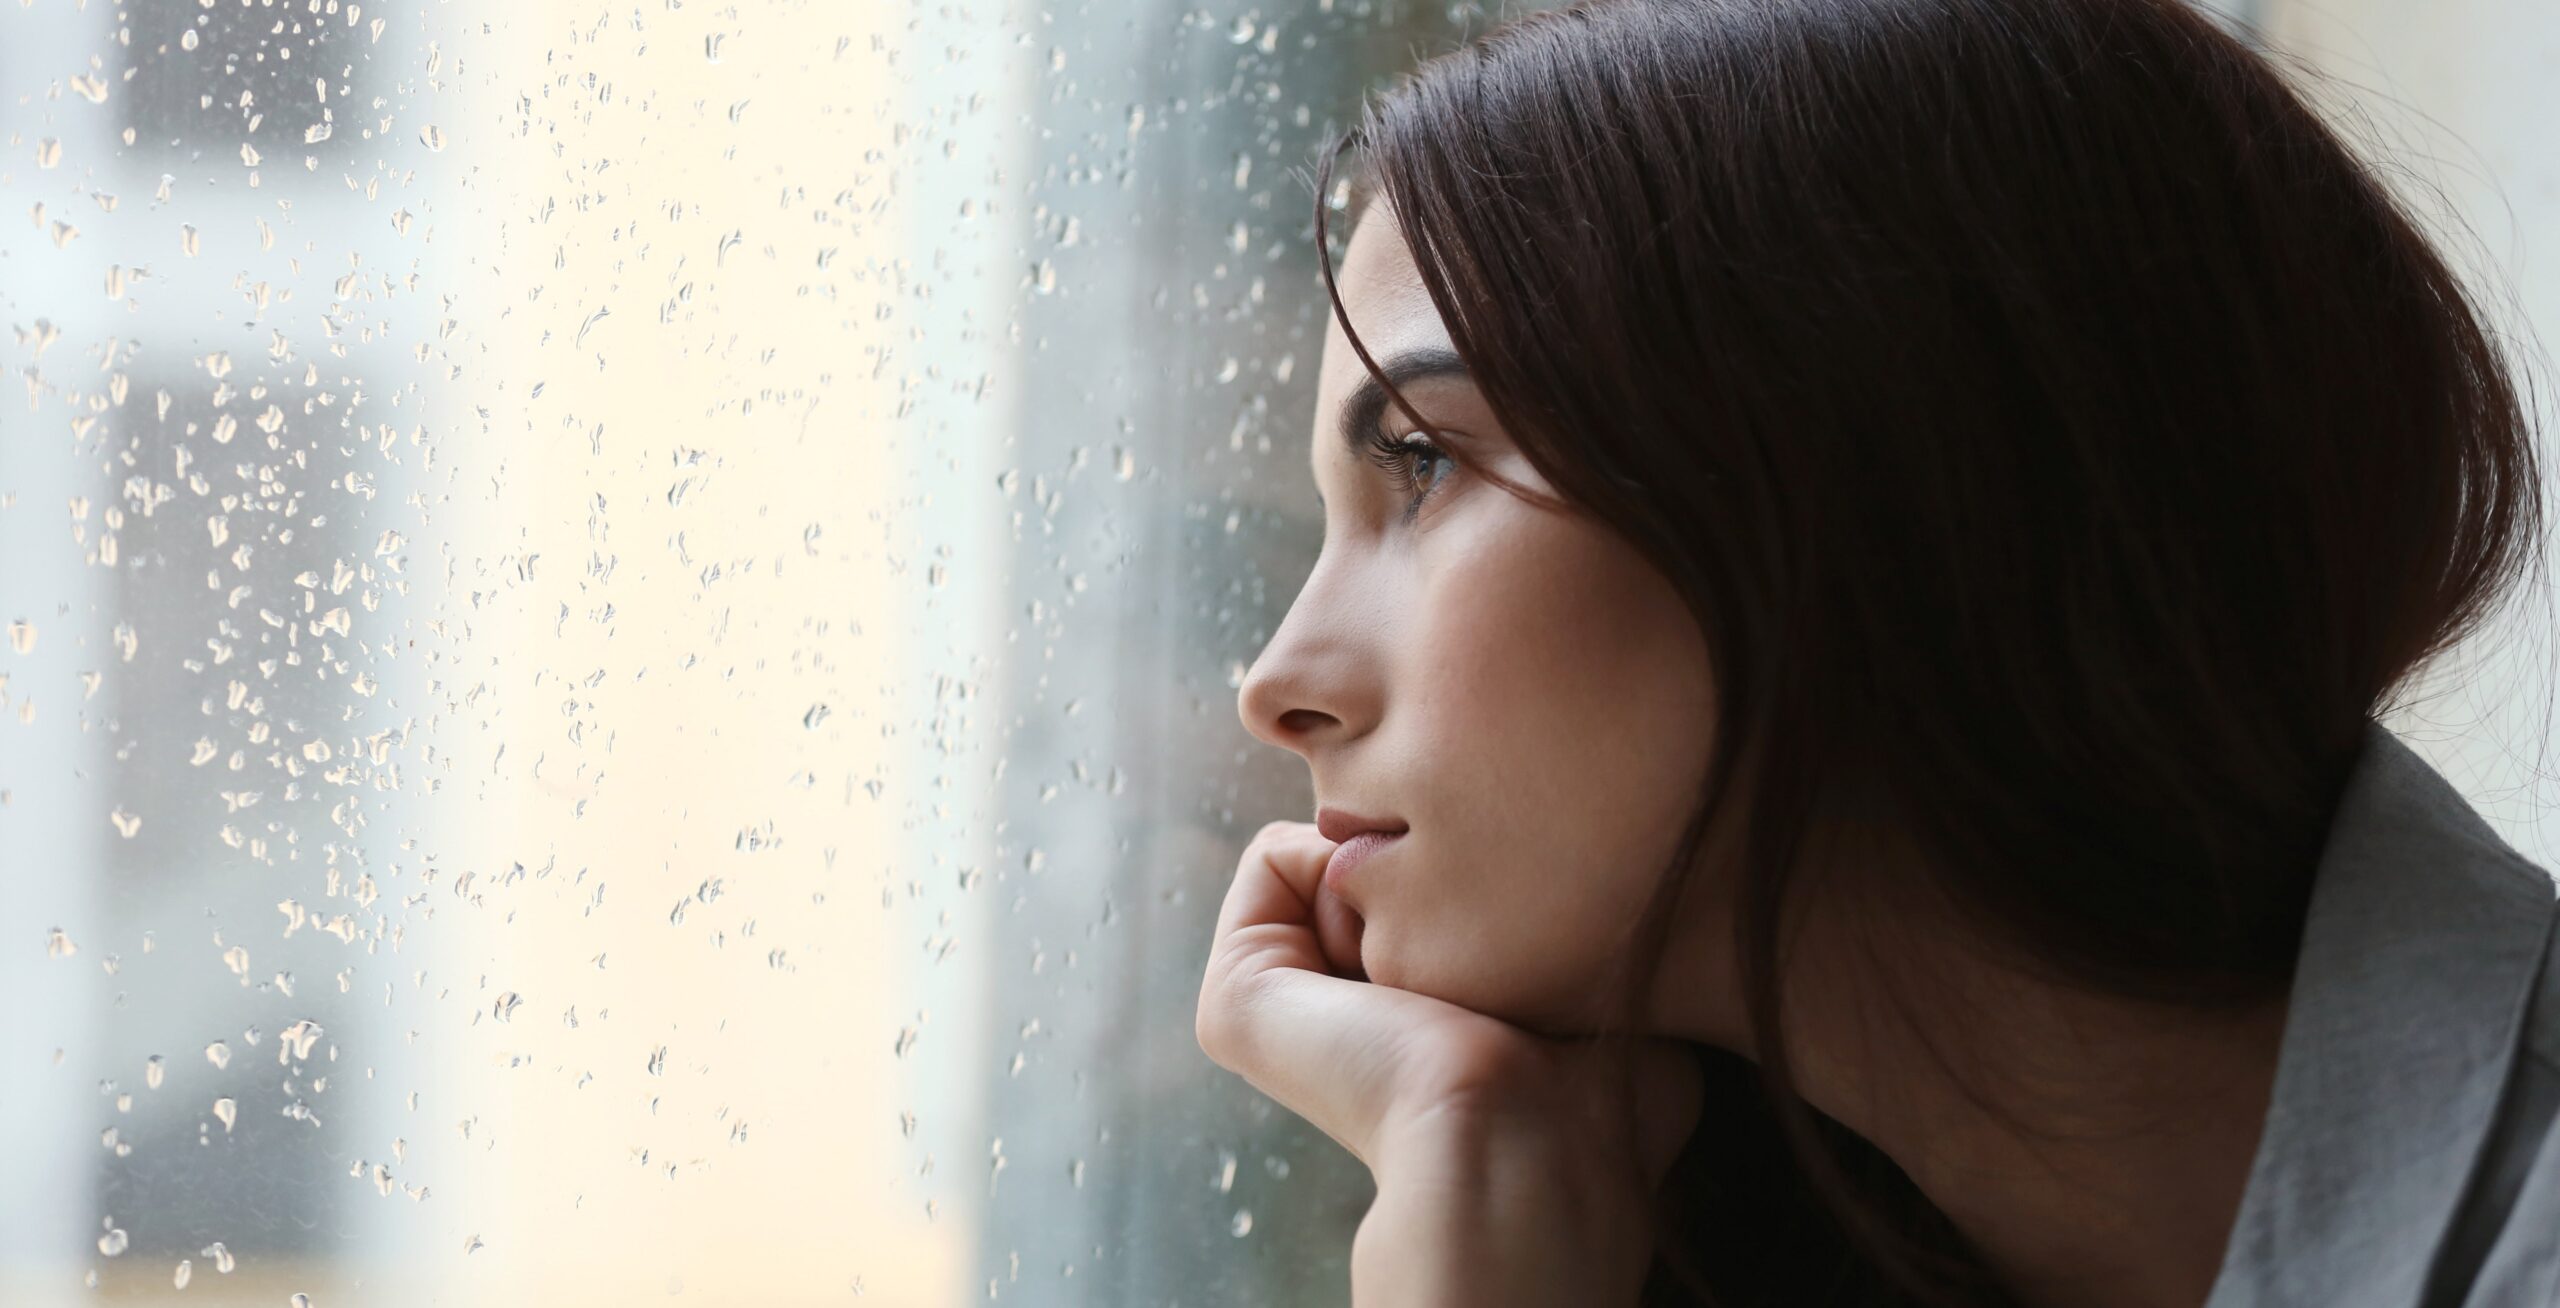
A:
[1516,687]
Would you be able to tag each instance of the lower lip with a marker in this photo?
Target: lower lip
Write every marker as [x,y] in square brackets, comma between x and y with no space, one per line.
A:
[1353,852]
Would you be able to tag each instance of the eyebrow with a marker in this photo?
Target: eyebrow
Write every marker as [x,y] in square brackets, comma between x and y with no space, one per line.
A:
[1368,400]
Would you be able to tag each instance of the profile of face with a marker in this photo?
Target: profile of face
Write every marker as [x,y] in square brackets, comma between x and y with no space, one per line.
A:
[1518,687]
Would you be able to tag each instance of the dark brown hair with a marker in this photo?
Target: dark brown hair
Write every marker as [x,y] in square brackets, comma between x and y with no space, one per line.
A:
[2062,439]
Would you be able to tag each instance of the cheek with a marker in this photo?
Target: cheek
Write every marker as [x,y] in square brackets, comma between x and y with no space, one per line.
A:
[1563,706]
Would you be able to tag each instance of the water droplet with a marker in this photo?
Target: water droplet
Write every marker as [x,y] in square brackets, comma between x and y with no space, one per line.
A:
[22,636]
[299,1300]
[471,1245]
[58,945]
[218,1054]
[316,133]
[248,154]
[1243,31]
[91,87]
[186,1273]
[113,1242]
[238,958]
[658,1061]
[505,1009]
[187,241]
[126,823]
[817,713]
[155,1069]
[48,152]
[1243,1224]
[299,1037]
[711,46]
[188,39]
[222,1260]
[432,137]
[227,1110]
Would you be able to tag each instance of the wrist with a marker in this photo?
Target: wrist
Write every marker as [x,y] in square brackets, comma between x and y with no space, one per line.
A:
[1468,1213]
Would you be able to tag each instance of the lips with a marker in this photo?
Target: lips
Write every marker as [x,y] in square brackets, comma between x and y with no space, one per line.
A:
[1339,825]
[1355,851]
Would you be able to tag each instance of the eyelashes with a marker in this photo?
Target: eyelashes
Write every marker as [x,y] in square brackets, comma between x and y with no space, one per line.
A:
[1397,454]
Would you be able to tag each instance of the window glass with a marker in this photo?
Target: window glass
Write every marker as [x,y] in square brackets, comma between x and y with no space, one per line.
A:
[619,638]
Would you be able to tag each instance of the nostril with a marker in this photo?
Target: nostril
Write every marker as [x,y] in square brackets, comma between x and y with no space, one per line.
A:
[1302,721]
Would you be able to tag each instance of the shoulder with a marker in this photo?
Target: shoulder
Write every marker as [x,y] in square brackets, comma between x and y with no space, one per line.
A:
[2509,1225]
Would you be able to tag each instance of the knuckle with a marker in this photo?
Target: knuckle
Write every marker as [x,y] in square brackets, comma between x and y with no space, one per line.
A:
[1215,1022]
[1204,1030]
[1230,989]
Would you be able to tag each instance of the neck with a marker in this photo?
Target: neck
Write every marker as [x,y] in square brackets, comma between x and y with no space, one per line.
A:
[2093,1151]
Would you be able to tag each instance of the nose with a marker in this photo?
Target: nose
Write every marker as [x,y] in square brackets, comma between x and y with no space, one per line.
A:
[1299,692]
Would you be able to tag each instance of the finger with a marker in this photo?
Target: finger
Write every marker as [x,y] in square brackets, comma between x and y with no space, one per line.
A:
[1293,854]
[1338,932]
[1332,1050]
[1329,1048]
[1276,879]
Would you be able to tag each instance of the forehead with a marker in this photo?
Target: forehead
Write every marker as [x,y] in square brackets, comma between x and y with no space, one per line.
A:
[1382,289]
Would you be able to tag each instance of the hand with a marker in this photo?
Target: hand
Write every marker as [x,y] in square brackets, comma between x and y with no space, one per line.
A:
[1508,1170]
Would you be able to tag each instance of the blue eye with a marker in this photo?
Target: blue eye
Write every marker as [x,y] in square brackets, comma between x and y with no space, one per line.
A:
[1398,455]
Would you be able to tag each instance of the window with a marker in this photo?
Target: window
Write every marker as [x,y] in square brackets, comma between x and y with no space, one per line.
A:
[621,629]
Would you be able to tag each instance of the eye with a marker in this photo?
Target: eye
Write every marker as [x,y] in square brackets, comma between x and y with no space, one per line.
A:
[1399,455]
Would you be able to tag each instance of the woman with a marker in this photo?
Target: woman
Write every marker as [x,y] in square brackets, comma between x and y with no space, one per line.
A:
[1864,541]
